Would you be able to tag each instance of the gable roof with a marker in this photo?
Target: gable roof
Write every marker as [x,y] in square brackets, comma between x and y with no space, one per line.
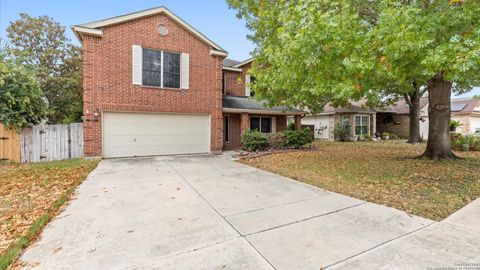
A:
[227,62]
[401,107]
[244,62]
[465,105]
[95,28]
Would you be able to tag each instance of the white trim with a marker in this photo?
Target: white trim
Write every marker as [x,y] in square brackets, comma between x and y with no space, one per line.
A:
[137,64]
[184,70]
[147,13]
[218,53]
[83,30]
[161,69]
[361,121]
[232,69]
[249,60]
[274,124]
[248,92]
[231,110]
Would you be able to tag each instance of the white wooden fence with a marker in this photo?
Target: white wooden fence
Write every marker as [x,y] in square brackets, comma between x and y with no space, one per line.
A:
[51,142]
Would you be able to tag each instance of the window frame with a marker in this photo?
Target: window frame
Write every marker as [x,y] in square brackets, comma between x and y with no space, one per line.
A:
[226,129]
[367,124]
[260,123]
[224,83]
[162,70]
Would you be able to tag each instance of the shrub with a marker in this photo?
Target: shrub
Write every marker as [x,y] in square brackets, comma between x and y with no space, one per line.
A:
[367,137]
[455,124]
[394,136]
[341,132]
[253,141]
[297,138]
[471,142]
[385,134]
[291,126]
[277,140]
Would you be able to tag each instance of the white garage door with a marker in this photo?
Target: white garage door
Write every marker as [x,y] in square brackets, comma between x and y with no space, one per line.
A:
[143,134]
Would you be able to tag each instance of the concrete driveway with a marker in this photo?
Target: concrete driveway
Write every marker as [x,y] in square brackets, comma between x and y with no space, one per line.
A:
[208,212]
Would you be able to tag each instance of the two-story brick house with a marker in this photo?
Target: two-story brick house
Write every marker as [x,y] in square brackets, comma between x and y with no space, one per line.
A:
[154,85]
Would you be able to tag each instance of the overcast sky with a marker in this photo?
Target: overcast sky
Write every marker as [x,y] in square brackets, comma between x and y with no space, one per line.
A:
[211,17]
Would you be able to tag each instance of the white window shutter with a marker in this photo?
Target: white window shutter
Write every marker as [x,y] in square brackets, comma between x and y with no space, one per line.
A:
[274,124]
[137,59]
[247,85]
[184,70]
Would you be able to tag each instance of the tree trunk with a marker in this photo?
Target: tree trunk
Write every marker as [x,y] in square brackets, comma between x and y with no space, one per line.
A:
[439,94]
[413,101]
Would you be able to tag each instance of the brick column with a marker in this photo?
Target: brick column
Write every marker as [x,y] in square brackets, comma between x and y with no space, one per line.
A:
[298,122]
[244,123]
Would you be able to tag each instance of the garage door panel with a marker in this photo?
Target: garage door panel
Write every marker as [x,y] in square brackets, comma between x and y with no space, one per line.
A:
[132,134]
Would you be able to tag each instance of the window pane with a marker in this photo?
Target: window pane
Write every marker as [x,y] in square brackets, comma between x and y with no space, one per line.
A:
[171,70]
[255,123]
[357,120]
[266,125]
[152,61]
[364,130]
[358,130]
[151,78]
[226,129]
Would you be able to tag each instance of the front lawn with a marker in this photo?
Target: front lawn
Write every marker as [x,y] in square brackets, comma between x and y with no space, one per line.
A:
[30,195]
[383,173]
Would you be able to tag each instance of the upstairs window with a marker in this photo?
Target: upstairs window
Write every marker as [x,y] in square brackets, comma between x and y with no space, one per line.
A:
[160,69]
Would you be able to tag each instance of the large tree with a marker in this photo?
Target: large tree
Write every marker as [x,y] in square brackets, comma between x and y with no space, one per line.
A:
[21,100]
[310,52]
[42,43]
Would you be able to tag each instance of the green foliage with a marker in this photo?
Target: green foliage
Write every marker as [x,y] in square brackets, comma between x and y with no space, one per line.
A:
[471,142]
[394,136]
[21,100]
[57,64]
[312,52]
[476,96]
[291,126]
[298,138]
[277,140]
[253,141]
[454,123]
[341,132]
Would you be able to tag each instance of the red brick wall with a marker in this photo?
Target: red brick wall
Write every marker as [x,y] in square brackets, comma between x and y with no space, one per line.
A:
[234,142]
[108,77]
[236,81]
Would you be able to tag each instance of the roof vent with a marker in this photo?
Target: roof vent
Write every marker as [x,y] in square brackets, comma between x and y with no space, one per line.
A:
[162,30]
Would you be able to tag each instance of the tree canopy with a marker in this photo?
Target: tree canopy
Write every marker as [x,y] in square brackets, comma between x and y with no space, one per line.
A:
[311,52]
[21,100]
[42,43]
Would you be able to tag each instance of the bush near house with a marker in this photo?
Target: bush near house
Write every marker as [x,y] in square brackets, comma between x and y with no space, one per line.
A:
[257,141]
[465,143]
[253,141]
[297,138]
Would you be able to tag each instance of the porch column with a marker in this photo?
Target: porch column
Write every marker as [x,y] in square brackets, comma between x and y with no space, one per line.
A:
[244,123]
[374,124]
[298,122]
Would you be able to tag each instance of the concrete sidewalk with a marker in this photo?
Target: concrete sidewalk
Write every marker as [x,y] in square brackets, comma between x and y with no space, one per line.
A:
[208,212]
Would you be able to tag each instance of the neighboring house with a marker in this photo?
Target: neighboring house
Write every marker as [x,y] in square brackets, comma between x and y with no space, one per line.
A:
[396,119]
[154,85]
[360,120]
[468,113]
